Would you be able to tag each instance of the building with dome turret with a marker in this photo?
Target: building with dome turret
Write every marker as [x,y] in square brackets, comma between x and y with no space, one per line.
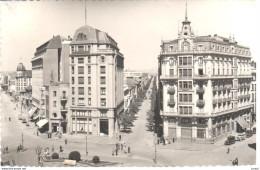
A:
[96,82]
[23,84]
[204,86]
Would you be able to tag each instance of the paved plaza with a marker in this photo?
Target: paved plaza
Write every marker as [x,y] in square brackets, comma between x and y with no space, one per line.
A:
[140,140]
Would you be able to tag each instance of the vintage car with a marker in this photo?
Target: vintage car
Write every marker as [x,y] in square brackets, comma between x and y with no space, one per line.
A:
[24,120]
[240,137]
[249,133]
[230,140]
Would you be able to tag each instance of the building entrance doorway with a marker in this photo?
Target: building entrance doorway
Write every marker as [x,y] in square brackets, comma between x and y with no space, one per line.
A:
[104,126]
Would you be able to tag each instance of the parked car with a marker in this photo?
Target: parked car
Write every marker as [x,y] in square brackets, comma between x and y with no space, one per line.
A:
[230,140]
[24,120]
[240,137]
[20,117]
[254,130]
[249,133]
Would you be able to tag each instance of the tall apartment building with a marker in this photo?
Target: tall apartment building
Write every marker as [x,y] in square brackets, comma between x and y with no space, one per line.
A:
[50,76]
[96,82]
[253,91]
[23,84]
[204,86]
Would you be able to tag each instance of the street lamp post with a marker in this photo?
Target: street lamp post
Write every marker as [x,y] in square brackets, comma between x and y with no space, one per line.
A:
[22,140]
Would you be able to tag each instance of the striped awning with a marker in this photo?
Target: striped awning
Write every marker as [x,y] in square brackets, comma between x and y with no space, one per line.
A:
[243,123]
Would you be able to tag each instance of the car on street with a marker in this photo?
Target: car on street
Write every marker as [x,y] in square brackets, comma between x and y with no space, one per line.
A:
[240,137]
[230,140]
[24,120]
[249,133]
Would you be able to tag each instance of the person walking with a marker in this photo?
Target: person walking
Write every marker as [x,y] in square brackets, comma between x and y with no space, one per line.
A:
[129,149]
[37,133]
[18,149]
[61,150]
[66,141]
[236,161]
[228,149]
[120,137]
[113,151]
[6,149]
[116,151]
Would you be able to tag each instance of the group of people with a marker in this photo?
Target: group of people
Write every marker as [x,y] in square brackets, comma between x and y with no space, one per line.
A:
[20,148]
[120,146]
[164,141]
[47,150]
[235,162]
[5,150]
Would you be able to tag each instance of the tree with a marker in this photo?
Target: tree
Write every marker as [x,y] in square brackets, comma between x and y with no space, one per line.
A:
[126,120]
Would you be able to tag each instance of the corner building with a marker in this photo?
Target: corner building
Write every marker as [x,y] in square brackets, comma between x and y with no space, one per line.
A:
[97,83]
[204,86]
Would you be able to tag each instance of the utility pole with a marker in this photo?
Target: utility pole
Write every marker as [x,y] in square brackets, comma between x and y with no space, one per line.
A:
[86,145]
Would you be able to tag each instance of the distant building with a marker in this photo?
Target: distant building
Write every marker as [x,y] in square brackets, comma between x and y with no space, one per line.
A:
[23,85]
[204,86]
[96,82]
[50,82]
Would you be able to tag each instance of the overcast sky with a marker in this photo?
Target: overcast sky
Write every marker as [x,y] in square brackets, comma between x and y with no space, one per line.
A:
[137,26]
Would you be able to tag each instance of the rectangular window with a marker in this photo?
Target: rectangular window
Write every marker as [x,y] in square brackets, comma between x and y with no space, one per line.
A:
[72,80]
[89,101]
[80,48]
[185,61]
[54,103]
[185,73]
[89,90]
[81,80]
[185,85]
[102,80]
[81,70]
[81,101]
[80,60]
[72,59]
[102,69]
[72,48]
[103,102]
[103,91]
[73,90]
[171,72]
[73,101]
[185,110]
[54,93]
[89,69]
[185,97]
[89,80]
[81,90]
[72,70]
[89,59]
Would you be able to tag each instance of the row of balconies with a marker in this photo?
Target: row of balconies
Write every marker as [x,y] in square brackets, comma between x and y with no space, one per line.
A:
[220,88]
[199,103]
[221,100]
[206,76]
[245,96]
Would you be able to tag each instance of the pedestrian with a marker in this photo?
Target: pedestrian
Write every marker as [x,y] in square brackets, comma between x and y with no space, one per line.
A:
[228,149]
[9,118]
[18,149]
[52,148]
[37,133]
[158,141]
[116,151]
[113,152]
[172,140]
[66,141]
[119,137]
[236,161]
[121,146]
[6,149]
[61,150]
[129,149]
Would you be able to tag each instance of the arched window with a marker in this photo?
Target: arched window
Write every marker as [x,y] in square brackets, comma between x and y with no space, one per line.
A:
[185,46]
